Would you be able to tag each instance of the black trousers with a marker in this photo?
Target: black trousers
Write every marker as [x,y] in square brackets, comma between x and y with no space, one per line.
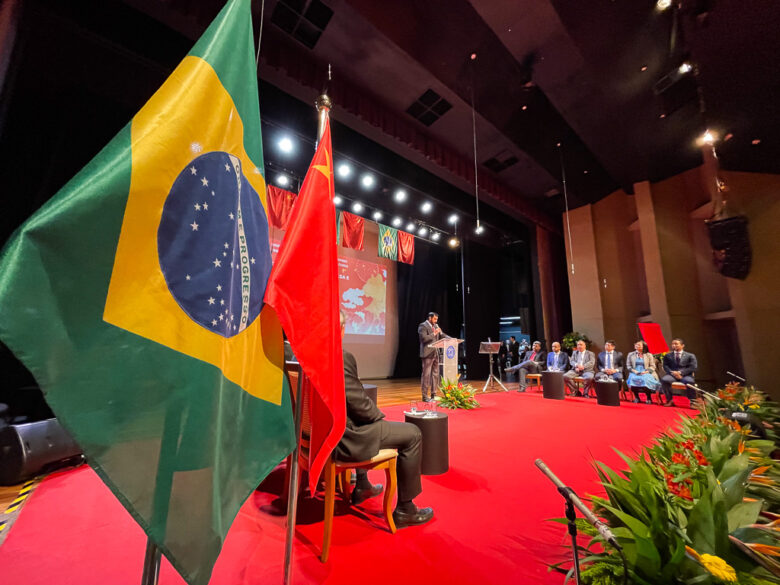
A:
[429,381]
[407,438]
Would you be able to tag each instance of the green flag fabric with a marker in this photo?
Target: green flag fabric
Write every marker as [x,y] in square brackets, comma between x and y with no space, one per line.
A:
[387,246]
[135,297]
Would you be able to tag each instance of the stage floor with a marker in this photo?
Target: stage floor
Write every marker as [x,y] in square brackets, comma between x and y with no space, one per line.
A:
[490,524]
[393,392]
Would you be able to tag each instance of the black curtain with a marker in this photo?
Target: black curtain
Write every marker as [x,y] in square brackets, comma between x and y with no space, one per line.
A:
[430,284]
[482,267]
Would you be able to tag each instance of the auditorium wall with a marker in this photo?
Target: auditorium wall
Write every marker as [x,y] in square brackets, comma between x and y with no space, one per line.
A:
[646,257]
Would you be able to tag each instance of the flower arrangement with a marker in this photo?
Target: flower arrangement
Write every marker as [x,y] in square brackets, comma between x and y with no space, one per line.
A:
[570,340]
[457,395]
[701,505]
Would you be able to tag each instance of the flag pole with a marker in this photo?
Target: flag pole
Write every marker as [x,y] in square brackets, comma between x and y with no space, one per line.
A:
[151,572]
[323,104]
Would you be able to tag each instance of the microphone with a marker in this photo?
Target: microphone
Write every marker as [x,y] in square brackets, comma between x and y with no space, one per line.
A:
[694,387]
[569,494]
[740,378]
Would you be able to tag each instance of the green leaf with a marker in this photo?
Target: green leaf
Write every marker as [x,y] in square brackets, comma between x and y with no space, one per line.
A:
[743,514]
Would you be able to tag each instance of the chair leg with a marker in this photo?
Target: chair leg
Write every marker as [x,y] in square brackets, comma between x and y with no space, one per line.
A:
[391,480]
[330,501]
[345,478]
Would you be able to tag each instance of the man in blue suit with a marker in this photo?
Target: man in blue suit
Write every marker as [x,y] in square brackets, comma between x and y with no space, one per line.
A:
[557,361]
[679,366]
[610,363]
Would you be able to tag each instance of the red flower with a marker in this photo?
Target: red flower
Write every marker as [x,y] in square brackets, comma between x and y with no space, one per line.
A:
[689,444]
[700,458]
[680,458]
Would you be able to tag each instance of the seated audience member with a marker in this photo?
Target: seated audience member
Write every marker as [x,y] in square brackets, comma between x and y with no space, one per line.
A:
[610,363]
[583,363]
[679,366]
[641,372]
[366,433]
[557,361]
[532,363]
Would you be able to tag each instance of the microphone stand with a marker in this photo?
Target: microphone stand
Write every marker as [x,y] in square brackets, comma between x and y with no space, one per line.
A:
[572,502]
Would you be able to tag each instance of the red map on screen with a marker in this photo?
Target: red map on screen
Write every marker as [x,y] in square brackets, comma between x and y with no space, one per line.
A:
[363,286]
[362,290]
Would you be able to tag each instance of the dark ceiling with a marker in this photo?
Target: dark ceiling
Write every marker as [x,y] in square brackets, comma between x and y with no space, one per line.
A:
[583,75]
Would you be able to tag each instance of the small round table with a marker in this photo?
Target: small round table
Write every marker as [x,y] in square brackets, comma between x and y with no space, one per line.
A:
[371,390]
[607,393]
[552,385]
[435,441]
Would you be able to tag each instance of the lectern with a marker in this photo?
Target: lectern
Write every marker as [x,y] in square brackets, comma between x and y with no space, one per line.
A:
[449,347]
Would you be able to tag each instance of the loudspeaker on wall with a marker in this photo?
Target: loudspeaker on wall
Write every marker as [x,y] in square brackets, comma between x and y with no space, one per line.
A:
[731,251]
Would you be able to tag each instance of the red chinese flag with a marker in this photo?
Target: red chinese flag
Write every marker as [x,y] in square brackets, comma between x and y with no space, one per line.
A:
[280,204]
[405,247]
[352,230]
[303,289]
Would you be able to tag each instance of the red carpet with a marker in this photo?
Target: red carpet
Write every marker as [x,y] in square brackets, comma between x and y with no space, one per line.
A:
[489,524]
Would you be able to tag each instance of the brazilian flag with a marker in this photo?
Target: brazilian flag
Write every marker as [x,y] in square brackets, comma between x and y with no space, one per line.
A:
[135,297]
[387,246]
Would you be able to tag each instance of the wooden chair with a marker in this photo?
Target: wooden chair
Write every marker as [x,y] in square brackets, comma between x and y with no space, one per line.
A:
[579,381]
[339,472]
[536,379]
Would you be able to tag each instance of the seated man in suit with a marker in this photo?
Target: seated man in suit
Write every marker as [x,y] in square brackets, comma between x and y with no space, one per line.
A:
[610,364]
[583,363]
[532,363]
[557,361]
[366,433]
[679,366]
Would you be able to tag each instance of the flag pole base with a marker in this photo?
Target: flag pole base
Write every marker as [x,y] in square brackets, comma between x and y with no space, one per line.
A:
[151,572]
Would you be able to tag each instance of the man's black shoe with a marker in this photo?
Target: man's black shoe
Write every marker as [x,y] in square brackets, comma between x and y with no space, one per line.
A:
[361,495]
[668,403]
[521,389]
[426,399]
[404,519]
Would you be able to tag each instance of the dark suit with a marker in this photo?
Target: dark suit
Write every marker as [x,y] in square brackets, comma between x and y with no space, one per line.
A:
[560,365]
[687,366]
[429,380]
[366,433]
[532,363]
[617,364]
[514,352]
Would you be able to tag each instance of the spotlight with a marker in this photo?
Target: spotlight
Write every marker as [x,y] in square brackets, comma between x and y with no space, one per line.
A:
[410,226]
[397,221]
[479,229]
[435,237]
[685,68]
[662,5]
[422,231]
[337,200]
[377,215]
[426,207]
[357,207]
[707,138]
[453,219]
[755,141]
[282,180]
[344,170]
[400,195]
[285,145]
[453,242]
[367,181]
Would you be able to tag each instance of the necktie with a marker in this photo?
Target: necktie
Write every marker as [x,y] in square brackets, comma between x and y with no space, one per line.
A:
[677,357]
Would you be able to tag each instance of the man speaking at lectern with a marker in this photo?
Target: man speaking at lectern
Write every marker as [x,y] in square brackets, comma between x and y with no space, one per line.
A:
[428,332]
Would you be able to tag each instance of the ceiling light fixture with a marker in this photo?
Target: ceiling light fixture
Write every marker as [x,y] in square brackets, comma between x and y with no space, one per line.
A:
[357,207]
[377,215]
[426,207]
[422,231]
[479,229]
[707,138]
[453,219]
[344,170]
[337,200]
[685,68]
[397,221]
[755,141]
[282,180]
[286,145]
[400,195]
[453,242]
[435,237]
[410,226]
[663,4]
[367,181]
